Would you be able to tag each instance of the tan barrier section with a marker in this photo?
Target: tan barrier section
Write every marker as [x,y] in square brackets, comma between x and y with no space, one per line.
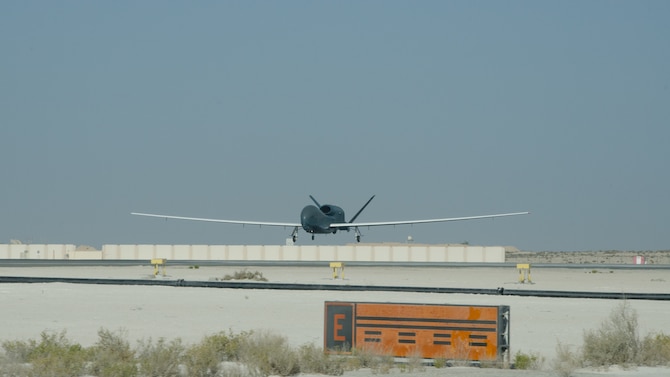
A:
[302,253]
[451,332]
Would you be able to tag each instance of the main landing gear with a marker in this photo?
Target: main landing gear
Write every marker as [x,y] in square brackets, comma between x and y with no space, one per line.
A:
[294,234]
[358,234]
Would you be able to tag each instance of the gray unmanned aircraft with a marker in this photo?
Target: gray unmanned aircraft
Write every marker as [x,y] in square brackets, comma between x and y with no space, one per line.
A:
[328,218]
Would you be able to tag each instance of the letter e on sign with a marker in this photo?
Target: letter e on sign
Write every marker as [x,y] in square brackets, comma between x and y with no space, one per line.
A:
[339,326]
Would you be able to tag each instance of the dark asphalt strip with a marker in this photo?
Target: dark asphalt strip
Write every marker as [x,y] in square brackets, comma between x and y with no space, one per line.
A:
[346,288]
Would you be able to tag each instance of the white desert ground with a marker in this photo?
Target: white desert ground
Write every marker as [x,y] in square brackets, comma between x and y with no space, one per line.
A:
[537,324]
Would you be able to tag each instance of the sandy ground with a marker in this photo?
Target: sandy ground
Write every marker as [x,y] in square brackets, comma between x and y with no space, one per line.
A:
[537,324]
[587,257]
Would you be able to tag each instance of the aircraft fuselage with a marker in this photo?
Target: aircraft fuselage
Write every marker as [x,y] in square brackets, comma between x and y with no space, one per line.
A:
[318,219]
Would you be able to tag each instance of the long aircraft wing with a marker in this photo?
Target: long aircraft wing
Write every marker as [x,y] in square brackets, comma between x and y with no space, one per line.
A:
[408,222]
[261,223]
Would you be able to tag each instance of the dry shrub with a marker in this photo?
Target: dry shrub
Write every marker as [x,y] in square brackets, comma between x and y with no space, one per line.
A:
[11,369]
[13,363]
[204,359]
[160,358]
[228,345]
[616,342]
[360,358]
[462,353]
[112,356]
[382,364]
[246,275]
[314,360]
[232,369]
[201,360]
[379,360]
[415,363]
[566,362]
[269,354]
[655,350]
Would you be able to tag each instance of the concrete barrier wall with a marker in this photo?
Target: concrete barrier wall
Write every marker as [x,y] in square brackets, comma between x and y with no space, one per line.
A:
[86,255]
[36,251]
[307,253]
[352,253]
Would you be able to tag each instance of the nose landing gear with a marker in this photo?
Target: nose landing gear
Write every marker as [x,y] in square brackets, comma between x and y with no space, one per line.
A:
[294,234]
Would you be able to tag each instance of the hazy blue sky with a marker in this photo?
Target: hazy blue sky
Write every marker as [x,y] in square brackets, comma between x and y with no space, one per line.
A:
[240,110]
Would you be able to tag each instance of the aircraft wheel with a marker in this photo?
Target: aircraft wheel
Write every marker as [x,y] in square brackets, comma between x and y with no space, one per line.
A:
[312,237]
[358,238]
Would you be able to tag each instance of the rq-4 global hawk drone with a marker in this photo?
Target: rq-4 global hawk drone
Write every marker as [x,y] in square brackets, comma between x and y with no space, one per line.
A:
[328,218]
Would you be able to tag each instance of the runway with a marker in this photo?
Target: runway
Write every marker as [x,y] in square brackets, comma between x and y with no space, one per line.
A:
[537,323]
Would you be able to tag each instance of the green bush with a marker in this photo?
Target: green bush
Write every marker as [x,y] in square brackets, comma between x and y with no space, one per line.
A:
[440,362]
[16,351]
[56,356]
[527,361]
[13,360]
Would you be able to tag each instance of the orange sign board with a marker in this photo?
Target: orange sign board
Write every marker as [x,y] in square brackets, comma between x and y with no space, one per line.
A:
[458,332]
